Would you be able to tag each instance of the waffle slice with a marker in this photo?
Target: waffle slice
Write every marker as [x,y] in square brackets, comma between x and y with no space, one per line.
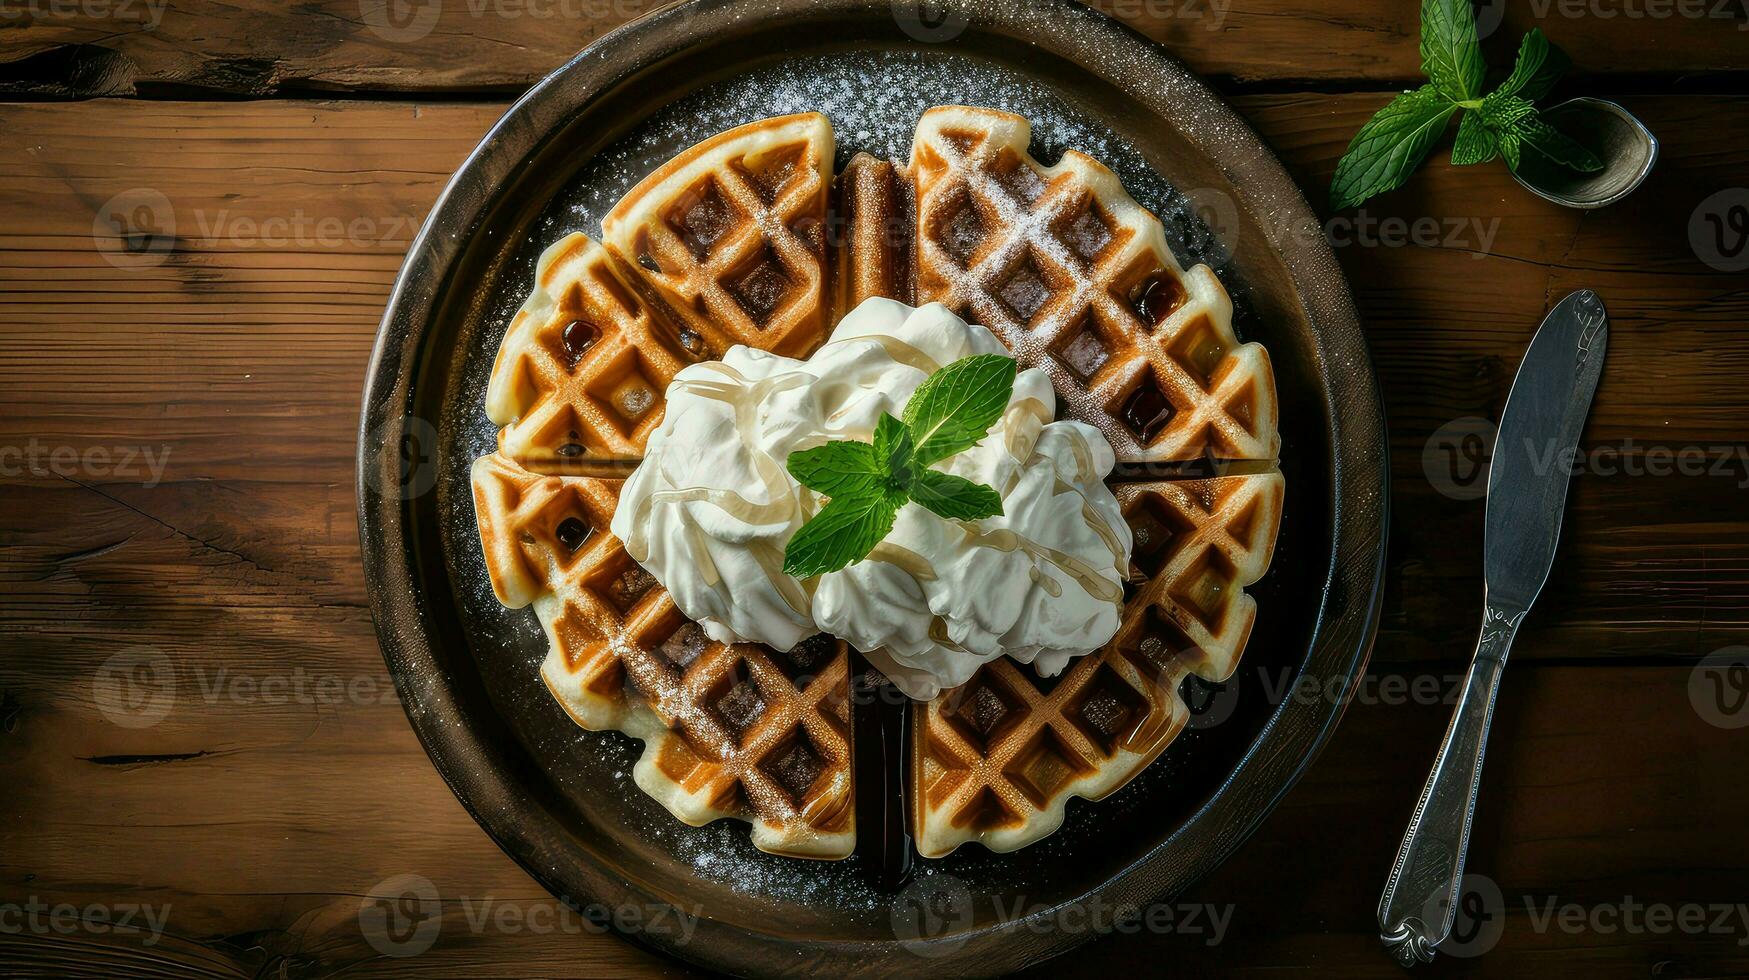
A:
[997,759]
[584,364]
[1076,278]
[874,208]
[730,234]
[728,730]
[726,244]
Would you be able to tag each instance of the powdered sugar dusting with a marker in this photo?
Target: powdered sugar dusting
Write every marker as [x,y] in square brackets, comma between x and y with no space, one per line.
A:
[874,99]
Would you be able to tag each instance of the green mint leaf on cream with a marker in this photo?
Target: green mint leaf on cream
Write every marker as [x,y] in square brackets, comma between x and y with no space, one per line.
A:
[955,498]
[895,451]
[867,483]
[838,469]
[844,531]
[953,409]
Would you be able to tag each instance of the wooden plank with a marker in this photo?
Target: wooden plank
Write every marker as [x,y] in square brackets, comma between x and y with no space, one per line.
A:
[243,355]
[258,47]
[1560,821]
[1603,789]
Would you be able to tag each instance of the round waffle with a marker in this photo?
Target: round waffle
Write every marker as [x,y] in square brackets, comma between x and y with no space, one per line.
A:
[747,239]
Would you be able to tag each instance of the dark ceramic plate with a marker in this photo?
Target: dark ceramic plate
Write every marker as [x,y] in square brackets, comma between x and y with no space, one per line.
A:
[560,800]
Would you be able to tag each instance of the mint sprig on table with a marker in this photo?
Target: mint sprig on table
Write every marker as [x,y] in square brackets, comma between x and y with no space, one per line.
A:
[1504,123]
[868,482]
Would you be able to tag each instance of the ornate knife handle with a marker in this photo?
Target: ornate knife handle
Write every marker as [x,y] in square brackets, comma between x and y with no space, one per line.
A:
[1420,900]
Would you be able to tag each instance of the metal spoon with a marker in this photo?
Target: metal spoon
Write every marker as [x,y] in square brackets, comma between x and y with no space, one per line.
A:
[1624,144]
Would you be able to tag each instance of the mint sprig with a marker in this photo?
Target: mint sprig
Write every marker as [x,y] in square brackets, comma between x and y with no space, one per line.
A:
[868,482]
[1504,123]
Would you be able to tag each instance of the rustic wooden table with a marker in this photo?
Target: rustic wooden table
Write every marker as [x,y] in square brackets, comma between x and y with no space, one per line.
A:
[197,733]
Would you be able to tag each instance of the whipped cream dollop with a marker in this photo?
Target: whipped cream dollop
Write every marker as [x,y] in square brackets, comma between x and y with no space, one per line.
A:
[712,506]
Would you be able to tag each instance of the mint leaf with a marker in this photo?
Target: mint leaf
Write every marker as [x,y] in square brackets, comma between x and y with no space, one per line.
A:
[1390,146]
[844,531]
[893,450]
[1450,55]
[1517,125]
[955,498]
[1534,134]
[838,468]
[868,482]
[1538,66]
[1475,142]
[1502,111]
[954,408]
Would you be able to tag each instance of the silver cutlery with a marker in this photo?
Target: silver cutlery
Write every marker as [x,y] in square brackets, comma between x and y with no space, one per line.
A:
[1527,491]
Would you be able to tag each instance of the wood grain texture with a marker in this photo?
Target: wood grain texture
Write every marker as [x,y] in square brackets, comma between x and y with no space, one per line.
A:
[282,783]
[59,48]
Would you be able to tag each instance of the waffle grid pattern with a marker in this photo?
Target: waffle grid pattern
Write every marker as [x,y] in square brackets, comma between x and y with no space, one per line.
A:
[732,234]
[724,244]
[997,759]
[1075,277]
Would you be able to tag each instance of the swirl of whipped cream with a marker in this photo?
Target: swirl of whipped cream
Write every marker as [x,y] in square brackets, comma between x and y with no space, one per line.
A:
[710,509]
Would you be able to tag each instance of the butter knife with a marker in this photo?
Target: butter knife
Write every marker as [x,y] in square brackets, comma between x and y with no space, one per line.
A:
[1527,491]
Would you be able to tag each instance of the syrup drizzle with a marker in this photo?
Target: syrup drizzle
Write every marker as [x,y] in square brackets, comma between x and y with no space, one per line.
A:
[881,717]
[571,533]
[1146,412]
[1156,298]
[577,337]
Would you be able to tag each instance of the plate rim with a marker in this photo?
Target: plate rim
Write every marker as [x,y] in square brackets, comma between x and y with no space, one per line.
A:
[1348,610]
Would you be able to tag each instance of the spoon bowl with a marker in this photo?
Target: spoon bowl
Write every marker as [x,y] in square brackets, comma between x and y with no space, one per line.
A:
[1624,144]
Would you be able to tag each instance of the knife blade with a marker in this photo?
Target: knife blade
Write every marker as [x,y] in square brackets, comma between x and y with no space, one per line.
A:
[1528,474]
[1533,451]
